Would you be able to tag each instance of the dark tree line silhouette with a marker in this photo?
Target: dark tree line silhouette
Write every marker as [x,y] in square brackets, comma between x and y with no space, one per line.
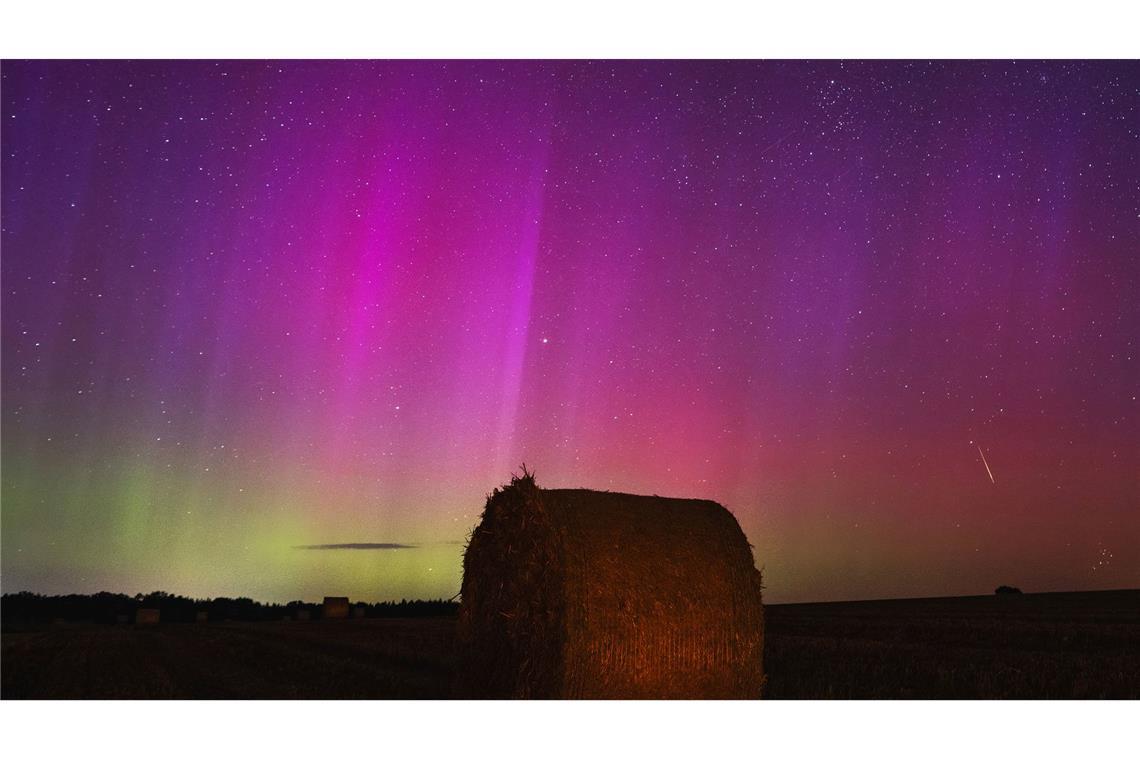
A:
[27,608]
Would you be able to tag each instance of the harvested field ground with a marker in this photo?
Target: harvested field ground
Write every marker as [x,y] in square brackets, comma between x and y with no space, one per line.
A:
[1031,646]
[323,659]
[1081,645]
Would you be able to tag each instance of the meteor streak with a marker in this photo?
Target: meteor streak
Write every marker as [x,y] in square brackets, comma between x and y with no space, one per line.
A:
[987,464]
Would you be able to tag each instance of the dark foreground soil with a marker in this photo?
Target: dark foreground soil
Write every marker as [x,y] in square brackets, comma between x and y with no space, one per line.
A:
[1032,646]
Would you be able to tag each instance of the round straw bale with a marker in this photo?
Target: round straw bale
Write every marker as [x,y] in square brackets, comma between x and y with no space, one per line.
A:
[590,594]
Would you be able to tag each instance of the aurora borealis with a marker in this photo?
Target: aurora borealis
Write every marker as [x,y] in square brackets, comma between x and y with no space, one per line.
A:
[275,329]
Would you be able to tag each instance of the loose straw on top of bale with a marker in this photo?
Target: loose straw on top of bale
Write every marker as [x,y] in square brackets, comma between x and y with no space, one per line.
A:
[576,593]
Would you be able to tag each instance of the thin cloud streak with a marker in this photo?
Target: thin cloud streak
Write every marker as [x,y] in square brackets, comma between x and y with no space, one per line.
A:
[357,546]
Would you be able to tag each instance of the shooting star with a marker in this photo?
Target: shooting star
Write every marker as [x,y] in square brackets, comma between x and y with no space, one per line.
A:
[987,464]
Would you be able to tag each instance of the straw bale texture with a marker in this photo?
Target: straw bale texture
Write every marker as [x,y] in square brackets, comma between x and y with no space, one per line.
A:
[596,595]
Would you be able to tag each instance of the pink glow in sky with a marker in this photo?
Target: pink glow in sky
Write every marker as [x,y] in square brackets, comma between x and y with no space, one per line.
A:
[251,306]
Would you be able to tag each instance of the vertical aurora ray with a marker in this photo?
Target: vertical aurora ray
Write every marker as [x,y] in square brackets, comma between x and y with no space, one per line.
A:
[518,337]
[249,306]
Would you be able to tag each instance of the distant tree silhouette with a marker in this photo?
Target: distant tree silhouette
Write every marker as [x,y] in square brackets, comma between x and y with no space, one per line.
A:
[1007,590]
[26,608]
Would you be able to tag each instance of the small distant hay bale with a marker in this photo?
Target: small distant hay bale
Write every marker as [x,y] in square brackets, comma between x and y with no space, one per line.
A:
[201,616]
[335,607]
[359,611]
[597,595]
[122,619]
[303,615]
[146,616]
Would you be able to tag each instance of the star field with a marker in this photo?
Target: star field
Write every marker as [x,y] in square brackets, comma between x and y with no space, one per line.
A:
[254,306]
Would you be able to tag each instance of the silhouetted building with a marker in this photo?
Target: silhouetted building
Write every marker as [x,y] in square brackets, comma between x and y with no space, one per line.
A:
[146,616]
[335,607]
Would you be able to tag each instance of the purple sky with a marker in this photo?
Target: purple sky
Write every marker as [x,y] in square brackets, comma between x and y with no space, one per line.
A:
[253,306]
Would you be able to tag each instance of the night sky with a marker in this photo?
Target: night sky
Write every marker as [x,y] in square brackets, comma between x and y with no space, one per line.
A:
[276,329]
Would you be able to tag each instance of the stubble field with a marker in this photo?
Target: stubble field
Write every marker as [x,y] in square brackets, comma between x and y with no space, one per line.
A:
[1080,645]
